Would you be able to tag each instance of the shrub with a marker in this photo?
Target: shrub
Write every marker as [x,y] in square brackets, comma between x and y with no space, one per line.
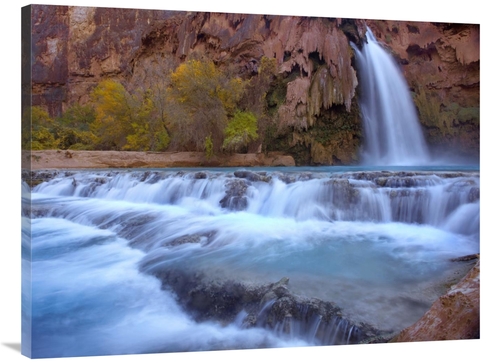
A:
[240,131]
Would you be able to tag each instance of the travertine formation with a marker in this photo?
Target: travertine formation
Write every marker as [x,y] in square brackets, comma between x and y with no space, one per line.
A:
[316,94]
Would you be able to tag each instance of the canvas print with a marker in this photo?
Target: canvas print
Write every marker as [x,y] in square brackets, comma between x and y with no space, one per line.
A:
[200,181]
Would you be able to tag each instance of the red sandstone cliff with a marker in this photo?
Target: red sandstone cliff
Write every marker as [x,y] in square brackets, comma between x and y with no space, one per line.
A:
[315,96]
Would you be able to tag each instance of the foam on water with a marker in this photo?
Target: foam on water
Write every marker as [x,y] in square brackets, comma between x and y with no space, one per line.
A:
[379,259]
[89,298]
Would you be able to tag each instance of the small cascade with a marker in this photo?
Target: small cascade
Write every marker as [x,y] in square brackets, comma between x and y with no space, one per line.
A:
[391,127]
[314,329]
[442,200]
[316,322]
[372,244]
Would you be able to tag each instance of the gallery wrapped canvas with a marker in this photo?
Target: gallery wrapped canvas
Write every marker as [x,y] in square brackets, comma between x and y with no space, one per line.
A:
[199,181]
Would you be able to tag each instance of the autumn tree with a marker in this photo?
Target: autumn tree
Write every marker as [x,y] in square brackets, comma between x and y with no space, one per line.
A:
[126,121]
[114,114]
[40,136]
[203,100]
[151,83]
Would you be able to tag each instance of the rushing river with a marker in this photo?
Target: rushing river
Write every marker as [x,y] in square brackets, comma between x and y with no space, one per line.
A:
[377,244]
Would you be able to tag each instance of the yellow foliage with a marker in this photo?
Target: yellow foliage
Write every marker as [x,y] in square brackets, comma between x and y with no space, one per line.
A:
[109,97]
[127,121]
[114,114]
[206,97]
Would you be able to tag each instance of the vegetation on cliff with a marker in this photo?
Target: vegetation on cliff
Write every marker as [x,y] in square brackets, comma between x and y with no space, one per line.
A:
[198,111]
[217,83]
[196,107]
[221,83]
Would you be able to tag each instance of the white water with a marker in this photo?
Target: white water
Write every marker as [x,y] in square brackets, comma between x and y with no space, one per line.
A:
[378,255]
[391,127]
[89,298]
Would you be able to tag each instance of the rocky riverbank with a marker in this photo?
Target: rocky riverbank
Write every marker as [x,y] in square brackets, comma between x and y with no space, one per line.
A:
[65,159]
[455,315]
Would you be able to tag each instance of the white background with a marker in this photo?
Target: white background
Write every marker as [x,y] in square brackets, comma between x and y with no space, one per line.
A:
[482,12]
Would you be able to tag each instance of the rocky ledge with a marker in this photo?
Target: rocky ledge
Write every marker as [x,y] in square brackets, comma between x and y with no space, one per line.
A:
[270,306]
[78,159]
[453,316]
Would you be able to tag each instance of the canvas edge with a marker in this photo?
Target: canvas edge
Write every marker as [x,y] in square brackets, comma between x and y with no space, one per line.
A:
[26,278]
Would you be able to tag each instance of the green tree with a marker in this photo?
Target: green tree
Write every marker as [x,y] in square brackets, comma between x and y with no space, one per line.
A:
[78,117]
[72,128]
[255,99]
[240,131]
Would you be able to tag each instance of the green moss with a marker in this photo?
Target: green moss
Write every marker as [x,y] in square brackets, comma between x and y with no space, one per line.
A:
[466,114]
[428,106]
[434,114]
[336,121]
[447,124]
[276,95]
[270,139]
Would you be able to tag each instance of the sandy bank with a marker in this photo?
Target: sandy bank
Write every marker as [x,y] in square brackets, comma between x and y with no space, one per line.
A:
[59,159]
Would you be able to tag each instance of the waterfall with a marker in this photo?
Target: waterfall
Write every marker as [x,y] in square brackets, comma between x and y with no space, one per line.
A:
[391,127]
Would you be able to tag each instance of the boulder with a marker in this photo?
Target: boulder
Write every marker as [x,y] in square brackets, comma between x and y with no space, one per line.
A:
[453,316]
[235,198]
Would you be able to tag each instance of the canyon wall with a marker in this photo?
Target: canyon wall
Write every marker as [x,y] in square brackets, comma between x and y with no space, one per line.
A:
[310,109]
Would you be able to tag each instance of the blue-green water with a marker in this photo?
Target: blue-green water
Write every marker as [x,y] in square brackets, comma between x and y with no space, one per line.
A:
[376,244]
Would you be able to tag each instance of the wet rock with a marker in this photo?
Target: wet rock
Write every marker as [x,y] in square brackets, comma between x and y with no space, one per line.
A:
[343,193]
[269,306]
[235,198]
[466,258]
[401,182]
[286,178]
[200,175]
[203,238]
[253,177]
[149,177]
[34,178]
[35,211]
[306,176]
[381,182]
[473,194]
[190,238]
[453,316]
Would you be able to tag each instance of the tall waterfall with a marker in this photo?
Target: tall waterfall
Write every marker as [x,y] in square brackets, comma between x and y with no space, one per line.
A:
[391,126]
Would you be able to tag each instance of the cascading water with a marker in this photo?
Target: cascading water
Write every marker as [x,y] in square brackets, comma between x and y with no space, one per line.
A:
[392,131]
[112,251]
